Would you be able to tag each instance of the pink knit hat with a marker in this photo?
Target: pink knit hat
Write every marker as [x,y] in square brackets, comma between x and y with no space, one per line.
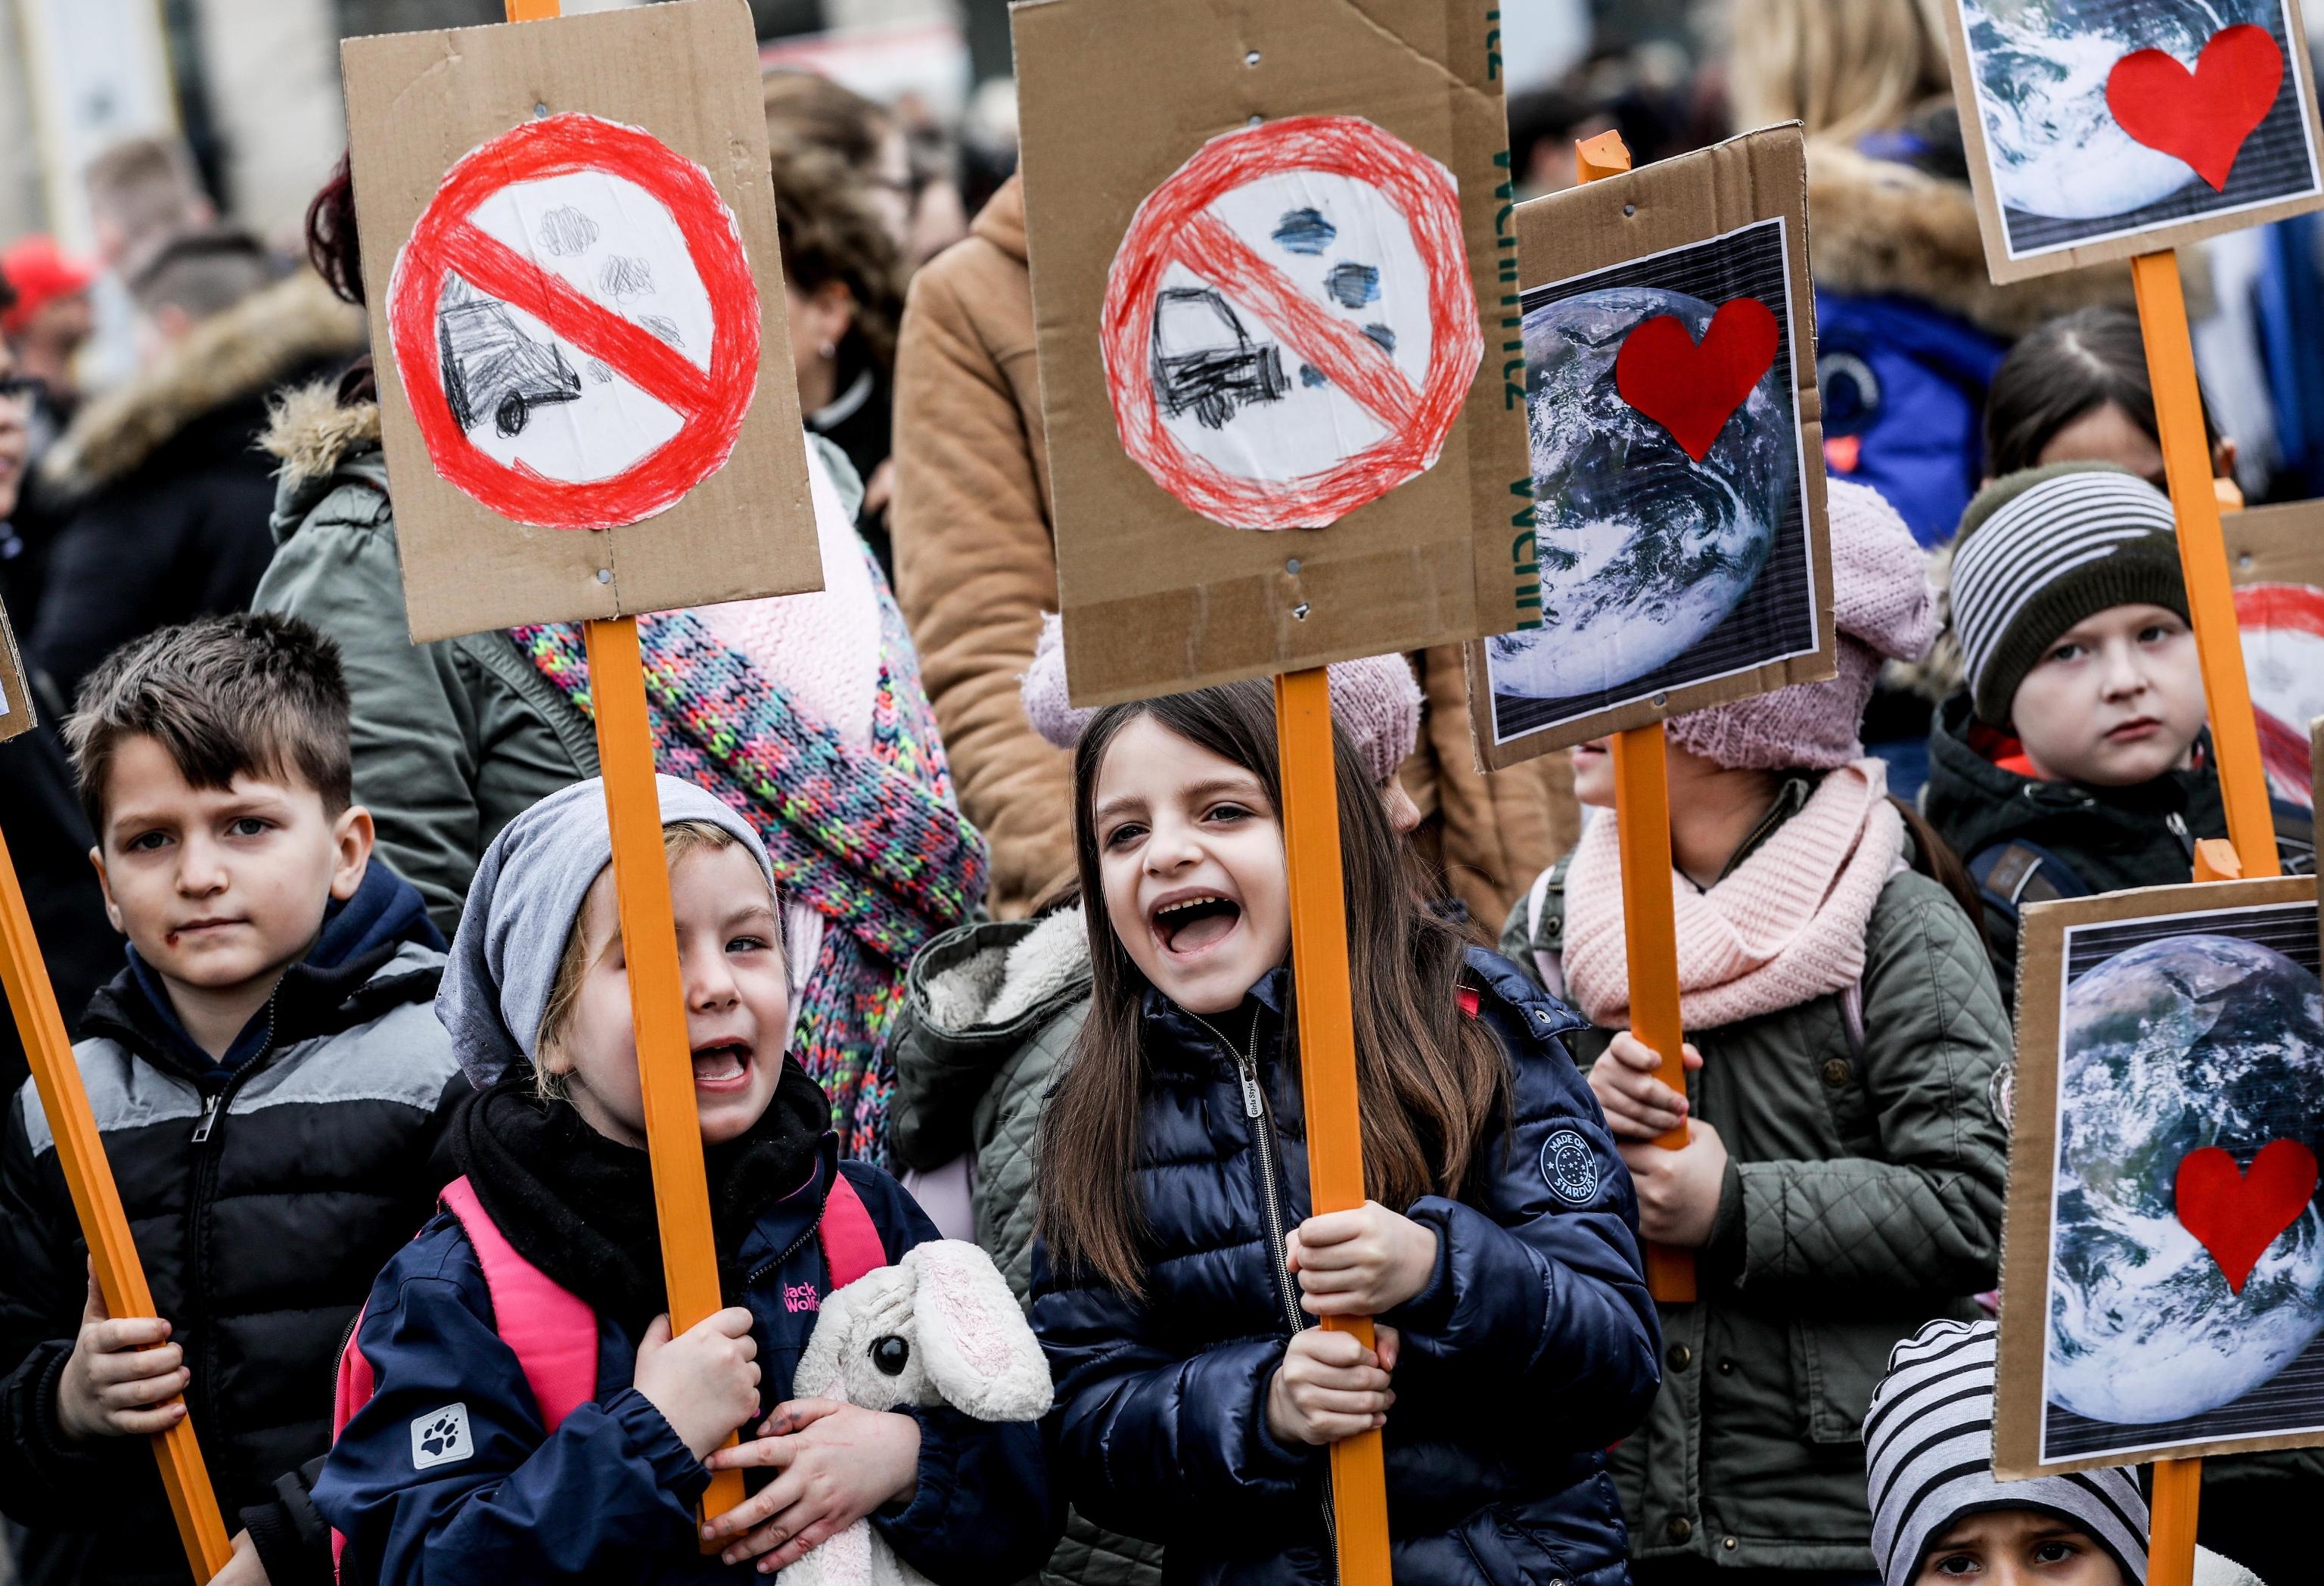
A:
[1885,607]
[1375,702]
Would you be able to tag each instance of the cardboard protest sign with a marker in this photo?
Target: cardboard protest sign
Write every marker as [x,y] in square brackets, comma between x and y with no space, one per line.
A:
[570,258]
[2275,555]
[1264,297]
[1679,555]
[2100,129]
[2163,1281]
[16,699]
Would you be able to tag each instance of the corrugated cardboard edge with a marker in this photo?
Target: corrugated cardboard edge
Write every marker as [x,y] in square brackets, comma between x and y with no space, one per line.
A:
[2005,270]
[1245,620]
[1759,176]
[21,715]
[764,542]
[2018,1403]
[2280,544]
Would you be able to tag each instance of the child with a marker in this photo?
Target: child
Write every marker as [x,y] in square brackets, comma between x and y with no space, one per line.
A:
[1177,1276]
[1843,1175]
[269,1085]
[2075,761]
[1940,1516]
[2076,389]
[450,1472]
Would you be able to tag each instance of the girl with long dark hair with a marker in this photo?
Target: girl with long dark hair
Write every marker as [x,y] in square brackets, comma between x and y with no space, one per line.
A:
[1178,1275]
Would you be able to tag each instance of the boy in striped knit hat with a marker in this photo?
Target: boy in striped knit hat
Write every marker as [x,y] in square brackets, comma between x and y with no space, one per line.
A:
[2076,760]
[1938,1514]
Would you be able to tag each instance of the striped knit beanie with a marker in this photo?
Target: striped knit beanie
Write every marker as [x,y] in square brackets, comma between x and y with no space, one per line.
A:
[2041,550]
[1928,1446]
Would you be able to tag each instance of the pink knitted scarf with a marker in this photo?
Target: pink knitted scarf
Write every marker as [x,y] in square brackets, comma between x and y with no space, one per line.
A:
[1784,926]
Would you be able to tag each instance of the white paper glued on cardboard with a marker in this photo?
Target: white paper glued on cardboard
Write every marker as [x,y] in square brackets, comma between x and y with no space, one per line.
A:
[576,298]
[1678,549]
[16,700]
[1277,324]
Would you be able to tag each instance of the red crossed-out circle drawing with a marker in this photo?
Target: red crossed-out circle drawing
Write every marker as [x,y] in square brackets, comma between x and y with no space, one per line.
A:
[1172,226]
[711,403]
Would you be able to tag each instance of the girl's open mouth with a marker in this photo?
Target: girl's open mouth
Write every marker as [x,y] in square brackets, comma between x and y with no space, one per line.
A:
[1193,925]
[721,1065]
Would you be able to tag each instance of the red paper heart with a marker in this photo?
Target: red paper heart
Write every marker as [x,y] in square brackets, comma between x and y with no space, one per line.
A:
[2201,117]
[2237,1214]
[1692,391]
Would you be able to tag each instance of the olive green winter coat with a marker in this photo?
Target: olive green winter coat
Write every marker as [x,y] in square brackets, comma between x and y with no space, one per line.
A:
[990,1012]
[1863,1198]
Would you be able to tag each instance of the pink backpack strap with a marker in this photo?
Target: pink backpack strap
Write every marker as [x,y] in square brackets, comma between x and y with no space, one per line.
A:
[851,1240]
[552,1331]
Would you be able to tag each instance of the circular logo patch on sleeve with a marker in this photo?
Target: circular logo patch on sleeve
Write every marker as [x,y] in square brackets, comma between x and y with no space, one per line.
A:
[1571,1167]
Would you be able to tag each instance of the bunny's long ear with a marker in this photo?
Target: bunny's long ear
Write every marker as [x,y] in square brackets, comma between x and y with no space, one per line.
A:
[974,1339]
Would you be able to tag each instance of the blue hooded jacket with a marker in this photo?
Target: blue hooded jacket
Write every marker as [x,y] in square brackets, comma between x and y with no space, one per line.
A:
[611,1497]
[1532,1349]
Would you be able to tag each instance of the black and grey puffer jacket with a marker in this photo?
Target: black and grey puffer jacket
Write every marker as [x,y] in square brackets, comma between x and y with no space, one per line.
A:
[263,1203]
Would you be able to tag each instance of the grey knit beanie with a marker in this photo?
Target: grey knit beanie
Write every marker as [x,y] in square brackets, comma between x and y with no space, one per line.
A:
[528,891]
[2044,548]
[1375,702]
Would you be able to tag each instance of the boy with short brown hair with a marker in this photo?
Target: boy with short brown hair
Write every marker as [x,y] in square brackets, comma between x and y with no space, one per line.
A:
[270,1083]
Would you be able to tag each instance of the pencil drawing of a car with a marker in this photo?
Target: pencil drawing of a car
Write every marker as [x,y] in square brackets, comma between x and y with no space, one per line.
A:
[1204,363]
[492,367]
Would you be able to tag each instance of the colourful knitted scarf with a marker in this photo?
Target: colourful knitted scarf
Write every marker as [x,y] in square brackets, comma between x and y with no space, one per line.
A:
[873,839]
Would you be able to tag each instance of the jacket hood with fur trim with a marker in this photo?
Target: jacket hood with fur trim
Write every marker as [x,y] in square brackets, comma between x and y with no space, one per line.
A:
[312,434]
[233,355]
[1878,227]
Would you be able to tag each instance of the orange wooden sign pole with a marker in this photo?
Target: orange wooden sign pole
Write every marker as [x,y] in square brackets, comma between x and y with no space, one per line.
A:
[690,1252]
[2203,559]
[681,1188]
[2249,850]
[1642,811]
[97,1202]
[1327,1063]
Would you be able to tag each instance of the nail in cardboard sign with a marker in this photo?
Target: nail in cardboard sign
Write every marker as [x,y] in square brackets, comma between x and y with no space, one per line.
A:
[1265,299]
[2163,1281]
[577,316]
[2098,129]
[15,701]
[1677,556]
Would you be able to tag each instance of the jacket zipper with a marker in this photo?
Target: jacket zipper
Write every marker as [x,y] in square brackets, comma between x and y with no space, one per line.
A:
[214,1110]
[2177,825]
[1255,1108]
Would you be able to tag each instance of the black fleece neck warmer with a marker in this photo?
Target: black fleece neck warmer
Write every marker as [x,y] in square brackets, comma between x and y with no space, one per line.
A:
[580,1206]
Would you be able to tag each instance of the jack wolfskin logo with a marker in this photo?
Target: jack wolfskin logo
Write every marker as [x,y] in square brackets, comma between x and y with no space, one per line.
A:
[1571,1167]
[801,1296]
[440,1437]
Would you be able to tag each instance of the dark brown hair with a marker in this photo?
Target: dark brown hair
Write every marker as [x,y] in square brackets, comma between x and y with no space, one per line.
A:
[1429,1080]
[827,233]
[808,108]
[251,694]
[2063,371]
[333,246]
[1934,858]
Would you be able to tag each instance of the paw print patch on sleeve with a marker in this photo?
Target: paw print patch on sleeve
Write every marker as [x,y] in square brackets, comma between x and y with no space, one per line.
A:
[440,1437]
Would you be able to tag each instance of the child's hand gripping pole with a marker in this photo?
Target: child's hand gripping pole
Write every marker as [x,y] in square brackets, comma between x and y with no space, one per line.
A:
[1650,930]
[1327,1065]
[2250,848]
[689,1255]
[97,1202]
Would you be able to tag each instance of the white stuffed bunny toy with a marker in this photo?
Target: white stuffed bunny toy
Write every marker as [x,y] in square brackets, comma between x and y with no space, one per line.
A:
[939,1327]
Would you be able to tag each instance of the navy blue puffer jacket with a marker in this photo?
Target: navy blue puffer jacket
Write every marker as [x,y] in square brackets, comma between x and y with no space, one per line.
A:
[1532,1349]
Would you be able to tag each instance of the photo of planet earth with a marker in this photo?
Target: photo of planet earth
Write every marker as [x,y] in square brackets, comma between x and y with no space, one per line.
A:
[1643,552]
[2062,167]
[2185,1041]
